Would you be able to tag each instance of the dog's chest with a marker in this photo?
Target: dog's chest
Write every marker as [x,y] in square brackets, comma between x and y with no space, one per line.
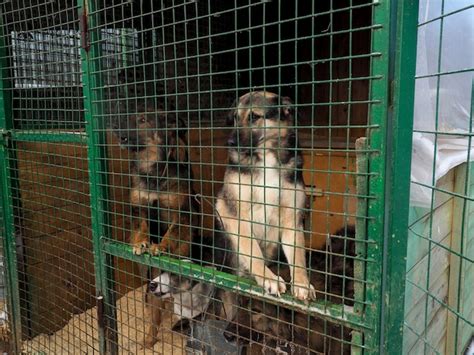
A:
[266,189]
[266,181]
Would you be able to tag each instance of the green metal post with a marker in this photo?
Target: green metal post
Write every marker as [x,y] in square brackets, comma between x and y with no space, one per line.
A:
[390,161]
[7,180]
[397,178]
[376,155]
[97,154]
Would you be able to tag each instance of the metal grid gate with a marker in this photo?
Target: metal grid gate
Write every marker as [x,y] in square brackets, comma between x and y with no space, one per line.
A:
[439,309]
[71,71]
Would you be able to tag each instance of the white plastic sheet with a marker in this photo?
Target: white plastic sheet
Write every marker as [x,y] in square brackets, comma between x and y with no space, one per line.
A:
[442,103]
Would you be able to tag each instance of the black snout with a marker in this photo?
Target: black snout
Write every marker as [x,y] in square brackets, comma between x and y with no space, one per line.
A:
[232,142]
[123,139]
[230,336]
[152,286]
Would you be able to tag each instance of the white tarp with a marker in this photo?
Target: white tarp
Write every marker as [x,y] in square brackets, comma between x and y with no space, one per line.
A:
[447,97]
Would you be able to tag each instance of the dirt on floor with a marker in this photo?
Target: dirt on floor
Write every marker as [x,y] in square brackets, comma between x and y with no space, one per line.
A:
[80,335]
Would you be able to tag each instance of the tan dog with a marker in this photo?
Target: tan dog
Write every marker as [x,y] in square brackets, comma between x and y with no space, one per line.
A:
[161,196]
[261,203]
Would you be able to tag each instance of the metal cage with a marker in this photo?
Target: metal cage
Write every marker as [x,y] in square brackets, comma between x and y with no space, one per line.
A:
[74,73]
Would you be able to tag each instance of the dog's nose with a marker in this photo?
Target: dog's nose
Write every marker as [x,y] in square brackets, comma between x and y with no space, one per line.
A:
[229,336]
[153,286]
[124,139]
[231,141]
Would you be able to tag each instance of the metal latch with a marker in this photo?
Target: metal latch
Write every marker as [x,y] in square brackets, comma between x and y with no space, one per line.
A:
[5,137]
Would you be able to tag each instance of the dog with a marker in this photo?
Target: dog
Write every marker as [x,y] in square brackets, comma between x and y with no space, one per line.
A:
[189,299]
[161,183]
[287,331]
[164,209]
[263,196]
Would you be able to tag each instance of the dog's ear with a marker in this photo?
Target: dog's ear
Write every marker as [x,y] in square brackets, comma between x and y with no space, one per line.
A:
[287,108]
[176,125]
[231,116]
[177,144]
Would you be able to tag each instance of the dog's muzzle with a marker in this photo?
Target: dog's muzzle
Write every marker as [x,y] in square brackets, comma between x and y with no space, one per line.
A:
[160,285]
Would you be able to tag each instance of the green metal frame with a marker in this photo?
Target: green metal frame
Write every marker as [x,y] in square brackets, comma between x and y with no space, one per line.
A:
[97,154]
[9,200]
[390,166]
[380,322]
[398,167]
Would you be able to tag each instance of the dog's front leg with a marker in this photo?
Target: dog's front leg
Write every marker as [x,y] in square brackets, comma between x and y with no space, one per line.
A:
[177,239]
[292,239]
[140,236]
[251,256]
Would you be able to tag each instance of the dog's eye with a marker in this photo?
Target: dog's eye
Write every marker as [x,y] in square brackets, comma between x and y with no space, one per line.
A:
[254,117]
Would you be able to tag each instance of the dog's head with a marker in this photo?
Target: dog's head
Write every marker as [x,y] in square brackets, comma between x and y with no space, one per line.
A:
[152,128]
[167,283]
[259,117]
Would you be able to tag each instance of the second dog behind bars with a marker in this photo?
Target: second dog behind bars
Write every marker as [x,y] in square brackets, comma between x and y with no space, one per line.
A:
[165,213]
[261,203]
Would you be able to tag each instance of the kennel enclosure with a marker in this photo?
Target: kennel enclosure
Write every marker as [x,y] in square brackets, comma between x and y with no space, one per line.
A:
[68,69]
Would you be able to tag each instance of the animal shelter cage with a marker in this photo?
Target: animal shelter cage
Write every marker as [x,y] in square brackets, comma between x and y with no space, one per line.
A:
[76,75]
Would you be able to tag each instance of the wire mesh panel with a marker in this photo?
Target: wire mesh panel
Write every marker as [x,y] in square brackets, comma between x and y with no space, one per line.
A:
[200,176]
[46,183]
[439,307]
[187,105]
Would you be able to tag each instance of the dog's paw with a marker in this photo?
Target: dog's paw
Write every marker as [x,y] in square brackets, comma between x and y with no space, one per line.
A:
[149,342]
[273,285]
[139,248]
[304,291]
[156,249]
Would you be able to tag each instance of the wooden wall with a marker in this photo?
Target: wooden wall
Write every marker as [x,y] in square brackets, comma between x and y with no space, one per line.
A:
[56,230]
[443,226]
[56,233]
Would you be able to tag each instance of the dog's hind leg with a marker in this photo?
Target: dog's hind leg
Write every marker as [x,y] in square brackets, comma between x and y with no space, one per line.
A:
[155,307]
[293,244]
[251,257]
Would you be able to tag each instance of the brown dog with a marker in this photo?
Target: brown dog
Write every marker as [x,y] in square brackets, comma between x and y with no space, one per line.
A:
[163,201]
[261,203]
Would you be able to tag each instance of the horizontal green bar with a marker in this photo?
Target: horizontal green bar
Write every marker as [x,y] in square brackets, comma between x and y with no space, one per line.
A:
[336,313]
[50,136]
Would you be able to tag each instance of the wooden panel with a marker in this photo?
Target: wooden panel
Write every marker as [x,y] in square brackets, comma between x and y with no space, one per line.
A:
[419,302]
[337,205]
[59,288]
[438,229]
[56,214]
[54,189]
[461,271]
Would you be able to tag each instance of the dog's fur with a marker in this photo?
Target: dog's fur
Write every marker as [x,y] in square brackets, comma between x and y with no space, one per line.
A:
[273,326]
[161,182]
[261,203]
[165,212]
[207,300]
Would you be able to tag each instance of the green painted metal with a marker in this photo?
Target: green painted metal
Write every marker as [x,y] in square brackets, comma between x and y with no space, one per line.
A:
[334,312]
[97,154]
[391,145]
[9,199]
[376,188]
[48,136]
[362,166]
[398,162]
